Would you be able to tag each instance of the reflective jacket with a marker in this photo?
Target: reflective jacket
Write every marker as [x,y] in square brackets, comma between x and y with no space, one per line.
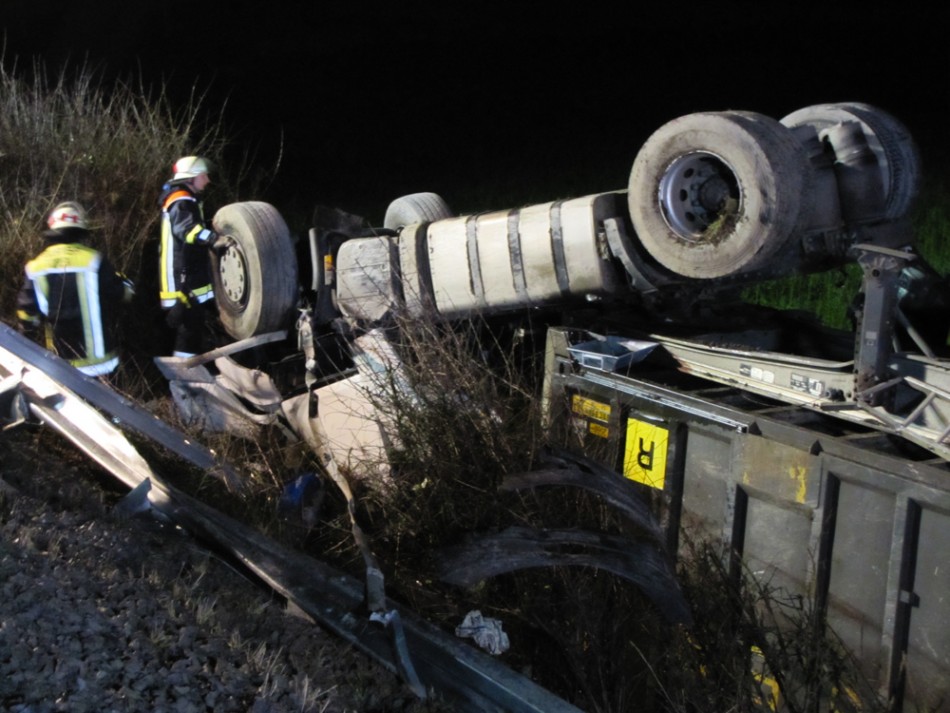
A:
[69,302]
[184,262]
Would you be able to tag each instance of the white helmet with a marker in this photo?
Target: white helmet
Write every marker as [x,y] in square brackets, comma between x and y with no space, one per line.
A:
[68,215]
[189,167]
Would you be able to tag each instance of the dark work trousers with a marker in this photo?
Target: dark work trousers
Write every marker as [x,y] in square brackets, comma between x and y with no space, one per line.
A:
[191,325]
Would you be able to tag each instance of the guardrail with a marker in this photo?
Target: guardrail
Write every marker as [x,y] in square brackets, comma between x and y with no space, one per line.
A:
[92,416]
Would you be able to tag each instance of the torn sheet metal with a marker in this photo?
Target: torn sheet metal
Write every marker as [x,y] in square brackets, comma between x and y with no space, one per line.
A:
[354,434]
[252,385]
[235,347]
[351,410]
[354,411]
[211,402]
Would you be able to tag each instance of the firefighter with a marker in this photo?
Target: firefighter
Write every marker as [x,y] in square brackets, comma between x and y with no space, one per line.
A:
[70,296]
[184,261]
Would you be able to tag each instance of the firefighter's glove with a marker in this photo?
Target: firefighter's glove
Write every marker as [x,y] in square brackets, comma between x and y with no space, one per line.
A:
[128,288]
[221,244]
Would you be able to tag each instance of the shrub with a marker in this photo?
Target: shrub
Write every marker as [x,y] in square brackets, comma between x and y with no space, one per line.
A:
[108,147]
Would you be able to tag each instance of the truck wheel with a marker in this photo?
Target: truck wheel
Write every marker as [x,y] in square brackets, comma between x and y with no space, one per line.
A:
[889,139]
[714,194]
[416,208]
[255,278]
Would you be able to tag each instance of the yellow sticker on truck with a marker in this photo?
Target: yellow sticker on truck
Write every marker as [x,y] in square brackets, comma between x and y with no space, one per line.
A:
[590,408]
[644,457]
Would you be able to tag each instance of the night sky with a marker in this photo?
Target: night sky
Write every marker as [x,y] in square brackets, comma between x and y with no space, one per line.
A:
[485,104]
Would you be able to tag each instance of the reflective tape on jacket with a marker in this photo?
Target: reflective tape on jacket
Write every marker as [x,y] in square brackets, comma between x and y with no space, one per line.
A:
[69,273]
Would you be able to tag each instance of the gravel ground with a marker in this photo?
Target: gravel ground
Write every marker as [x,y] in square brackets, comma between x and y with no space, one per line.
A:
[103,614]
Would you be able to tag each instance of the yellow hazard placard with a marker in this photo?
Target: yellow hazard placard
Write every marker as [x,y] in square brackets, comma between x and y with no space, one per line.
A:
[644,457]
[590,408]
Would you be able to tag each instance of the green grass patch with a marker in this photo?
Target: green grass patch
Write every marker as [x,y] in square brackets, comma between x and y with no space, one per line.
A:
[828,294]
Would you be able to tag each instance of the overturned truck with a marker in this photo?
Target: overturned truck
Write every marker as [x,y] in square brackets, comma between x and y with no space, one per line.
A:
[715,202]
[654,379]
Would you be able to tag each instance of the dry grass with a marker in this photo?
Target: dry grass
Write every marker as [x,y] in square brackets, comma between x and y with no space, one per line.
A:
[463,416]
[109,145]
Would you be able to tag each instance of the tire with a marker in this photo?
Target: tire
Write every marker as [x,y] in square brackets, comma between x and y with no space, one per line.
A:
[892,144]
[255,279]
[716,194]
[416,208]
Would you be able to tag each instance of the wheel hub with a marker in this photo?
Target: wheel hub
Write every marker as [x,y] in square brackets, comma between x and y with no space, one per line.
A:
[697,191]
[232,271]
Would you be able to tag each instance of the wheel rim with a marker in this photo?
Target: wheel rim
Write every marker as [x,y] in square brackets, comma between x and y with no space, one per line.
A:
[232,271]
[699,191]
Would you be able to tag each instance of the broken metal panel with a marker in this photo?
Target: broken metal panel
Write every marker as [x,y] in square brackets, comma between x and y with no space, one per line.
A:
[234,348]
[352,425]
[252,385]
[213,409]
[176,369]
[211,403]
[355,436]
[238,400]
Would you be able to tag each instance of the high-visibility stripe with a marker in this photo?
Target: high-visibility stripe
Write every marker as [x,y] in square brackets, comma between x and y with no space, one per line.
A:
[41,289]
[200,294]
[96,368]
[85,309]
[177,196]
[64,257]
[94,333]
[198,234]
[69,266]
[168,294]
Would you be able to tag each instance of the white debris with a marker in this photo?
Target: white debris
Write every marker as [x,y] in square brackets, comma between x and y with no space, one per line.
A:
[487,633]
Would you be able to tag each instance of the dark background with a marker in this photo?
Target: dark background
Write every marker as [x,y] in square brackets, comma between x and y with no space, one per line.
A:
[489,105]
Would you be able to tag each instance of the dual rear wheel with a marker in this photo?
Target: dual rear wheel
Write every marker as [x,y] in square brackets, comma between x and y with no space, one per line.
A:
[721,193]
